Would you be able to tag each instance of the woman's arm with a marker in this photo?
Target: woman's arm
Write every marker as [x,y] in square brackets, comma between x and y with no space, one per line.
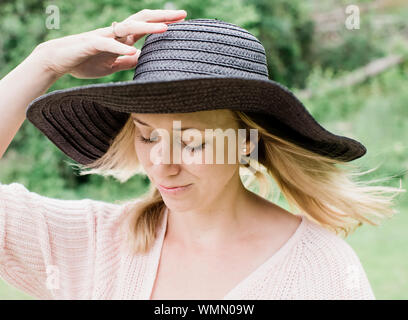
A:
[91,54]
[24,83]
[48,247]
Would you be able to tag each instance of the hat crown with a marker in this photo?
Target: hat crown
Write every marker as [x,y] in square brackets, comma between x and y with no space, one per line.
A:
[204,47]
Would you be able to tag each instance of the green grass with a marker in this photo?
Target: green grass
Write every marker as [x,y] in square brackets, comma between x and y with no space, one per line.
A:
[383,254]
[8,292]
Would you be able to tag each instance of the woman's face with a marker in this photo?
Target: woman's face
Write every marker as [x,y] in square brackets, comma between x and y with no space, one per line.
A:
[160,137]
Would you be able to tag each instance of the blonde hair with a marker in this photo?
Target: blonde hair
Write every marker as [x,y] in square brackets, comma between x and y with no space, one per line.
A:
[323,189]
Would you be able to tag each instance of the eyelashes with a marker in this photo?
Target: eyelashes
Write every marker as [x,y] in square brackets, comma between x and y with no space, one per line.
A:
[144,140]
[192,149]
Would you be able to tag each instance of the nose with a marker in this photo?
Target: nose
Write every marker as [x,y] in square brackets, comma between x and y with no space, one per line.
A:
[164,158]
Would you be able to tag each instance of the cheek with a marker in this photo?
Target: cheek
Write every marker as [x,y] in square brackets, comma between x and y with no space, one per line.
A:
[143,153]
[220,153]
[212,177]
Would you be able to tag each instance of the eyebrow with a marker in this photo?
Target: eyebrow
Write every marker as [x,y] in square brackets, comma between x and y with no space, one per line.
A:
[146,124]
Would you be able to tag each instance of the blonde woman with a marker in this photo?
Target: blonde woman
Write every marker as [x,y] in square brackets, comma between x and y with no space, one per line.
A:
[199,233]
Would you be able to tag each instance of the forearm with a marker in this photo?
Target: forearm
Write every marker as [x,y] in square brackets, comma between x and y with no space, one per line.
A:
[24,83]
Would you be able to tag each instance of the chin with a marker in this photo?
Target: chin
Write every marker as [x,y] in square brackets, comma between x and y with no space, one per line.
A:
[180,205]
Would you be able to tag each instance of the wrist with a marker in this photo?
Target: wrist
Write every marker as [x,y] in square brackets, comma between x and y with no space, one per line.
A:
[37,60]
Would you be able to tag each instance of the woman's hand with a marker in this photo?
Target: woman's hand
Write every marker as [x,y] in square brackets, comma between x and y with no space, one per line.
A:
[97,53]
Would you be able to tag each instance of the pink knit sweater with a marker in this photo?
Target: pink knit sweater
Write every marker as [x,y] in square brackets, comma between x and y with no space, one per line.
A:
[70,249]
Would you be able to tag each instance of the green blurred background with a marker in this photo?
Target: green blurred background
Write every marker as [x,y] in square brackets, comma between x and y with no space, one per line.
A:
[353,81]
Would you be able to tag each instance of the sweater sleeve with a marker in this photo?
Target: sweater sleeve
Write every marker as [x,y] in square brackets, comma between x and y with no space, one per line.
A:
[337,272]
[48,246]
[353,281]
[350,278]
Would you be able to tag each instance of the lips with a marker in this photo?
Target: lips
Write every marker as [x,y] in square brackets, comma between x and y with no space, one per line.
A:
[174,191]
[175,187]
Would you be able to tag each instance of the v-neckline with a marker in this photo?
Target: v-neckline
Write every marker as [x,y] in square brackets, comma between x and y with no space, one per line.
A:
[155,257]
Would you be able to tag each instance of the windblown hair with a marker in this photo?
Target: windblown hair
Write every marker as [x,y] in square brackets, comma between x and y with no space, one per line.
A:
[323,189]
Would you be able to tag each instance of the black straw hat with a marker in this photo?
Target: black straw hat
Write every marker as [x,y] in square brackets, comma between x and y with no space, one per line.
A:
[196,65]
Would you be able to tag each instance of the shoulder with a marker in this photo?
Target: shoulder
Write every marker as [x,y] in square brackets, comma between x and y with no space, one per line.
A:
[325,246]
[318,241]
[329,264]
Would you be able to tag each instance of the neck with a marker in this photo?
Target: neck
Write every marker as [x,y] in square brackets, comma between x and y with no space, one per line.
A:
[223,220]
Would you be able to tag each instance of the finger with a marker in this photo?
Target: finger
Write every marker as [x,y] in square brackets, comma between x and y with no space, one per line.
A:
[136,37]
[163,16]
[125,62]
[130,40]
[125,28]
[169,22]
[158,15]
[126,40]
[104,44]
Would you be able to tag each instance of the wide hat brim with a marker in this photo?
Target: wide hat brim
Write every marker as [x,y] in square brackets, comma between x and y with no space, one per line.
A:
[83,121]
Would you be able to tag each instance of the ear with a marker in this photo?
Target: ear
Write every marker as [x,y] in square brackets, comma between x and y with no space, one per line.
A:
[247,147]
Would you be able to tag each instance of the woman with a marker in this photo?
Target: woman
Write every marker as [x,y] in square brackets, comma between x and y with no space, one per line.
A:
[200,233]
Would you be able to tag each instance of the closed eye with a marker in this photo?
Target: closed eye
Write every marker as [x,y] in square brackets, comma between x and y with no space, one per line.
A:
[191,149]
[195,149]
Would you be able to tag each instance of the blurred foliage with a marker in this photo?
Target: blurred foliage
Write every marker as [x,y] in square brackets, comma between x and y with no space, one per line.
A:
[286,30]
[371,113]
[356,50]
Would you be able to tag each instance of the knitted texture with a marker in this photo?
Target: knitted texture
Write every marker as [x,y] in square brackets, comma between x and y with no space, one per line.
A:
[71,249]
